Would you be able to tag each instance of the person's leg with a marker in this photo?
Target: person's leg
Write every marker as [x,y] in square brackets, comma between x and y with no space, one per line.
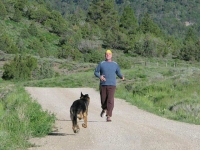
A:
[103,96]
[110,99]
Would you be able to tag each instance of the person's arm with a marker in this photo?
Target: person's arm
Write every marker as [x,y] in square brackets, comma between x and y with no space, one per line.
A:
[97,70]
[118,73]
[97,73]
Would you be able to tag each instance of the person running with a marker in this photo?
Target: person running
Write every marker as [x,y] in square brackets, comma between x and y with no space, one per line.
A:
[106,71]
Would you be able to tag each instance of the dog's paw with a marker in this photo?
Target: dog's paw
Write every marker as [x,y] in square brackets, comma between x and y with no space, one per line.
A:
[76,131]
[84,125]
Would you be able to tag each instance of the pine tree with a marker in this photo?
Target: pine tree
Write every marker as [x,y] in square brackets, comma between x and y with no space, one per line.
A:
[148,26]
[128,26]
[128,21]
[190,36]
[7,45]
[3,11]
[33,30]
[20,4]
[103,14]
[56,23]
[189,51]
[17,15]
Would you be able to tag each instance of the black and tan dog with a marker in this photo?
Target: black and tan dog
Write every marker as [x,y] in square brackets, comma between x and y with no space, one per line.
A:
[79,110]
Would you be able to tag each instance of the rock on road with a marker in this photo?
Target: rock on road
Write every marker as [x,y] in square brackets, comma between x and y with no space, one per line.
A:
[131,128]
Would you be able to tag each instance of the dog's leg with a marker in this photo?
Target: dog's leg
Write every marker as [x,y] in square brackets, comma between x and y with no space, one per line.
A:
[85,120]
[72,116]
[75,126]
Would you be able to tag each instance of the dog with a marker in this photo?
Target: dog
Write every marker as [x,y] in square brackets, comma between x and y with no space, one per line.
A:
[79,110]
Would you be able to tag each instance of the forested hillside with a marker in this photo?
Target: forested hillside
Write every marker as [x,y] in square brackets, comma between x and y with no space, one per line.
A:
[173,16]
[79,30]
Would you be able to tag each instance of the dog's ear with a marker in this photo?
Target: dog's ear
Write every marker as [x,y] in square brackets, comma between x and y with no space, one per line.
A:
[82,94]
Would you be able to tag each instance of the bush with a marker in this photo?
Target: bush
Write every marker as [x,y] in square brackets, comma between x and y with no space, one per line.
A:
[33,30]
[20,68]
[124,62]
[7,45]
[45,70]
[24,33]
[94,56]
[69,52]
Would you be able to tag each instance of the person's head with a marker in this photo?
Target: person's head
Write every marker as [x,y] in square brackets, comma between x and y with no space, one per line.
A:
[108,55]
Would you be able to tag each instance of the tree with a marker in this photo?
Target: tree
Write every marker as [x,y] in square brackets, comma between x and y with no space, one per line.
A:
[56,23]
[24,33]
[3,11]
[189,51]
[148,26]
[103,14]
[197,56]
[128,21]
[20,4]
[7,45]
[41,14]
[150,46]
[190,36]
[32,30]
[128,25]
[17,15]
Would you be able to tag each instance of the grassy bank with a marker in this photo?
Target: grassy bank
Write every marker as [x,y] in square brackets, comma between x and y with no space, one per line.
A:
[21,118]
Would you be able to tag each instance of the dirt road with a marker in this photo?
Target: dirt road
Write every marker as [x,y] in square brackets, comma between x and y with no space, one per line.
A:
[130,129]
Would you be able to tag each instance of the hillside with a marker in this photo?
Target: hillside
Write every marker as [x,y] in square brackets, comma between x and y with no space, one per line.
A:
[76,30]
[173,16]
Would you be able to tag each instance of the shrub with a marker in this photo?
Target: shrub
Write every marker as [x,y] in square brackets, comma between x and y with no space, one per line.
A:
[7,45]
[24,33]
[124,62]
[68,52]
[33,30]
[45,70]
[20,68]
[3,11]
[94,56]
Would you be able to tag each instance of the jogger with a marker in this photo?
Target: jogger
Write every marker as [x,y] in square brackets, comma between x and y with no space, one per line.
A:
[106,71]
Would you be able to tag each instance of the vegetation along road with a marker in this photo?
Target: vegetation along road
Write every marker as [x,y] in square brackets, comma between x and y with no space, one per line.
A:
[130,129]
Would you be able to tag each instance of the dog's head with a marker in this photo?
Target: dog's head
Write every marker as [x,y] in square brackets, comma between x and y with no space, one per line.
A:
[86,96]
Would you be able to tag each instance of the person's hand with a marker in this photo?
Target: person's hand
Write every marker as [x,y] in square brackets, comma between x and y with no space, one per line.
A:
[102,78]
[122,77]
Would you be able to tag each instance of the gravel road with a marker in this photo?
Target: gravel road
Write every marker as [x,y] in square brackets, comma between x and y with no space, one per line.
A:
[131,128]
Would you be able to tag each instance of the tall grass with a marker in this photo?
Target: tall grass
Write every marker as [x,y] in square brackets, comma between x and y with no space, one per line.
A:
[174,95]
[21,118]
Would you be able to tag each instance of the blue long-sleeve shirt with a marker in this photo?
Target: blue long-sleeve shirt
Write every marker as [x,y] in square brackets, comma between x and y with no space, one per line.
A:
[109,70]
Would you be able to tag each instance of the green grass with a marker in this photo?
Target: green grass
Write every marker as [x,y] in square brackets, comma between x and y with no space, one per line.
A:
[174,96]
[82,79]
[21,118]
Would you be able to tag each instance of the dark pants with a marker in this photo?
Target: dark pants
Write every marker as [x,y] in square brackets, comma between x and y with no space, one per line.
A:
[107,98]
